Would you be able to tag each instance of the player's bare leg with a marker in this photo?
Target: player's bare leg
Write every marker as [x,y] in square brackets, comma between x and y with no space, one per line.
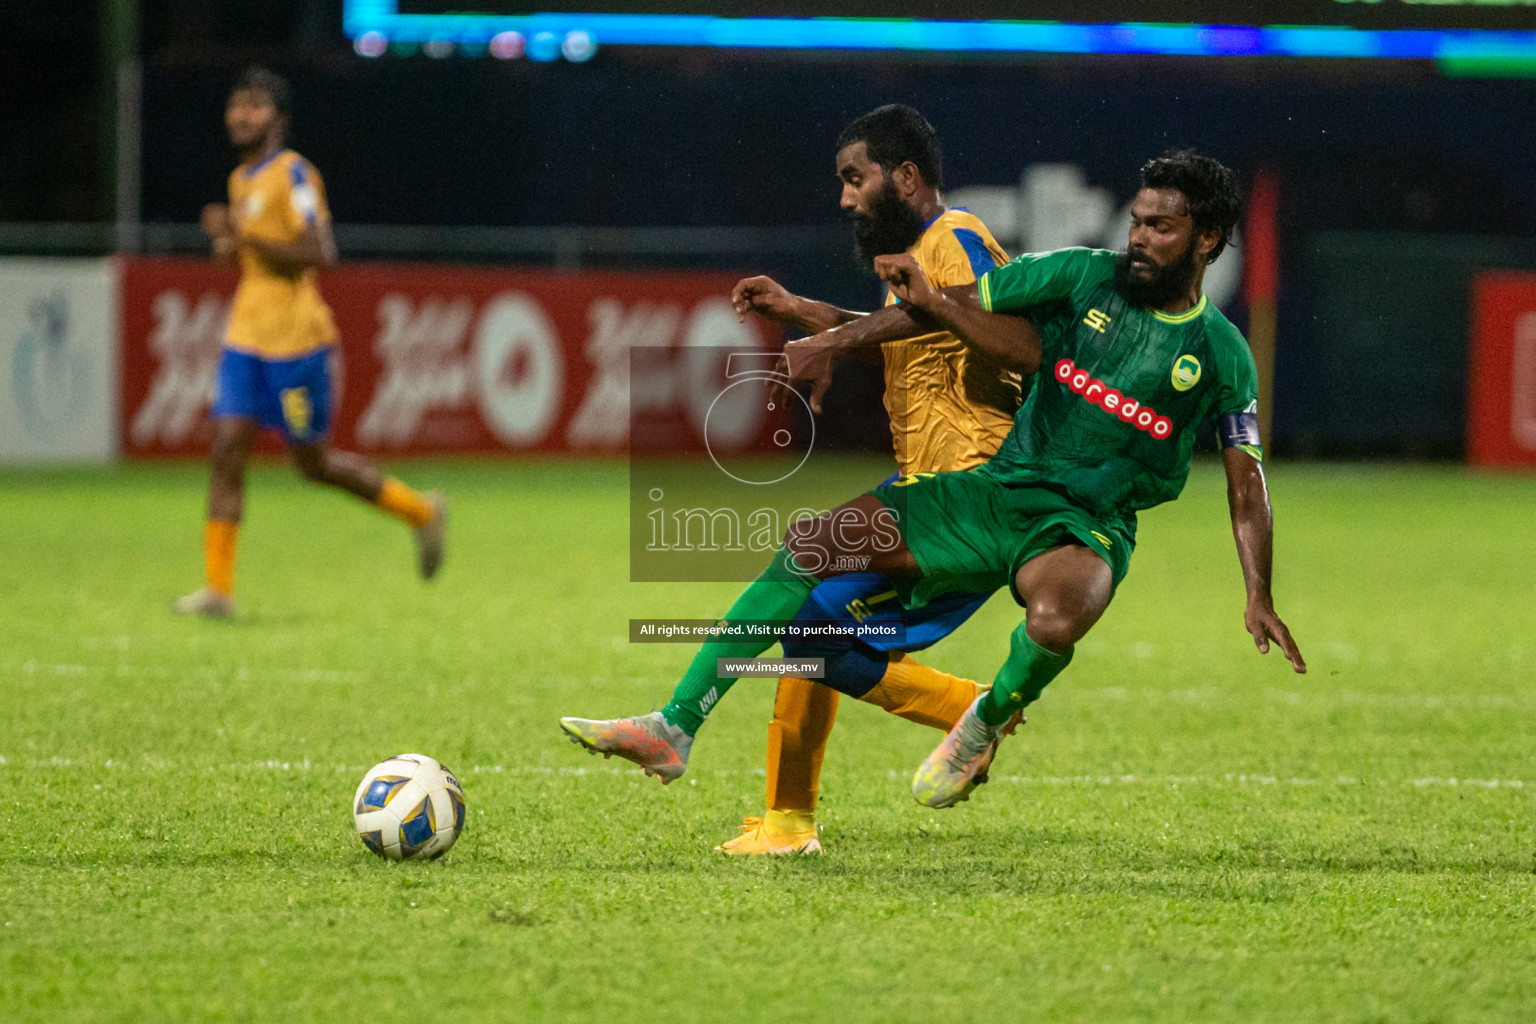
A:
[232,440]
[1066,590]
[426,514]
[853,529]
[354,474]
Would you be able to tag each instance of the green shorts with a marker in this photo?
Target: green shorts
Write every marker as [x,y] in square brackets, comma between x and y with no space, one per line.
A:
[970,532]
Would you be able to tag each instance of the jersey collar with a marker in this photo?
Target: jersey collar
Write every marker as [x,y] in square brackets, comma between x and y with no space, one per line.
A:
[932,220]
[1184,317]
[250,171]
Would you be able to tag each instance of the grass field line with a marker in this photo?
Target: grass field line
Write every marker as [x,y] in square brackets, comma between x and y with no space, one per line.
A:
[1359,698]
[240,674]
[1086,779]
[1189,695]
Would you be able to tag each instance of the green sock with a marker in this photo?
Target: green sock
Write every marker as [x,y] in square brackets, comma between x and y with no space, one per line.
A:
[777,594]
[1019,682]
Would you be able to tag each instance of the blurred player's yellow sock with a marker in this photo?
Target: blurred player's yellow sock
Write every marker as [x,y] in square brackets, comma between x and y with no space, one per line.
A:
[402,502]
[803,713]
[911,690]
[219,554]
[791,821]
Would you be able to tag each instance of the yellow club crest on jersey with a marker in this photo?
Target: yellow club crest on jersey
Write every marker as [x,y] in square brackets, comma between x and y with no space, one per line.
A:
[1186,372]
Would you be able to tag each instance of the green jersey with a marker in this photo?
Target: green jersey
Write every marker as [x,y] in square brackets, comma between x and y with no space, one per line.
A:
[1111,420]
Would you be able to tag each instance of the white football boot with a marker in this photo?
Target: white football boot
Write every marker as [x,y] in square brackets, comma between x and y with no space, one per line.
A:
[650,741]
[207,602]
[961,760]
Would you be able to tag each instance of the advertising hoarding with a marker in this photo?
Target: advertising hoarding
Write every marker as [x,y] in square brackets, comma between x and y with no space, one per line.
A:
[58,372]
[438,360]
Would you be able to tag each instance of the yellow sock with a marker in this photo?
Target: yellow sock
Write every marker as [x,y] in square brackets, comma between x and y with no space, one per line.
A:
[219,554]
[803,713]
[791,821]
[911,690]
[404,503]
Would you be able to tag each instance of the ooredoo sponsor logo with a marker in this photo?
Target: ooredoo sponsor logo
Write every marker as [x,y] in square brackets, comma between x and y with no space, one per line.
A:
[1129,410]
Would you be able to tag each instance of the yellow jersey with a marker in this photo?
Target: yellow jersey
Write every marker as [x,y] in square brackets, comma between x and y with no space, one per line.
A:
[276,314]
[950,406]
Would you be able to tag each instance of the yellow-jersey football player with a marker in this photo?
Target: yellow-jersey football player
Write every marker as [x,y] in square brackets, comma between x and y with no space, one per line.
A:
[949,410]
[274,370]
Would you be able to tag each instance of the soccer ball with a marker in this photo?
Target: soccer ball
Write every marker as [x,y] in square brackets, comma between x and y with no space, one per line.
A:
[409,808]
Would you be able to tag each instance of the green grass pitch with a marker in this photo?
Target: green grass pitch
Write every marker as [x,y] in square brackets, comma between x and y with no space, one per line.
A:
[1185,831]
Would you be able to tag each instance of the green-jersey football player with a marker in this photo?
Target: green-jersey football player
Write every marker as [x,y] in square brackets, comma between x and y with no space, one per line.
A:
[1130,359]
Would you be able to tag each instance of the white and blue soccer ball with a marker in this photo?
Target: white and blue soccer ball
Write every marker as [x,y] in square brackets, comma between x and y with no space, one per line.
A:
[409,808]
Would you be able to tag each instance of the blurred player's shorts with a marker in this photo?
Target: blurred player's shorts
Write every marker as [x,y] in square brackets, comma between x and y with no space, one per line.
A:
[291,395]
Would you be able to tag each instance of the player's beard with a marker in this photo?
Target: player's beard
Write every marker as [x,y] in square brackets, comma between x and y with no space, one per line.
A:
[250,147]
[890,226]
[1165,284]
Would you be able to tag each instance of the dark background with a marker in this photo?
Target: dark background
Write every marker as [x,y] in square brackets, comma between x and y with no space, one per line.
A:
[1397,183]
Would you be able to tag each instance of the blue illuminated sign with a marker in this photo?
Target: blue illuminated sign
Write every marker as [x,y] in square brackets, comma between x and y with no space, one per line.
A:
[381,19]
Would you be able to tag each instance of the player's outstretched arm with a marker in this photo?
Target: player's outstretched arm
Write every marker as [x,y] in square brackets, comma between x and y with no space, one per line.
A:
[1011,341]
[1253,529]
[811,360]
[772,301]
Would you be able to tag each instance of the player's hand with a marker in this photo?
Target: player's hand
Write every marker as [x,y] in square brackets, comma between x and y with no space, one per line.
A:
[808,360]
[907,280]
[220,226]
[216,221]
[765,297]
[1264,625]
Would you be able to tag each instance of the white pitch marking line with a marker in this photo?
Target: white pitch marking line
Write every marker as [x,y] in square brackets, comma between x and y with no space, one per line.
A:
[1238,778]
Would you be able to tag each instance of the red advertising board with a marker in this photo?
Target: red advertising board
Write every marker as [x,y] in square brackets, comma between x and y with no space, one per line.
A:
[446,360]
[1501,408]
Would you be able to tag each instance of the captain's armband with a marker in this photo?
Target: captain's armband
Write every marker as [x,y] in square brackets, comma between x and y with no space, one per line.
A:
[1241,430]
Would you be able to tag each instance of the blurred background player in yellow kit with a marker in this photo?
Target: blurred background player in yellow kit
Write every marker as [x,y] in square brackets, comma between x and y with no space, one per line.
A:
[274,370]
[948,410]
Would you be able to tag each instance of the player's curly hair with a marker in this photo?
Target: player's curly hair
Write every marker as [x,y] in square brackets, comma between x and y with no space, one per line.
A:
[894,134]
[1209,187]
[268,81]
